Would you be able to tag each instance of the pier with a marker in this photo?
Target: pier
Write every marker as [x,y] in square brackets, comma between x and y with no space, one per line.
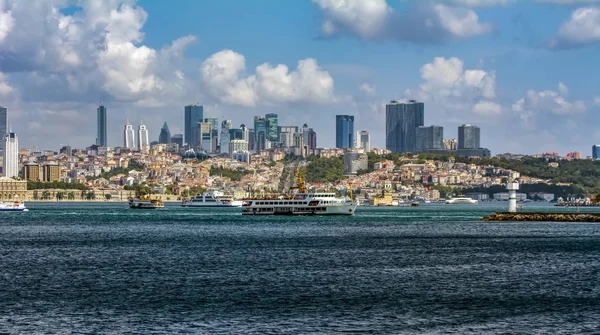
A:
[543,216]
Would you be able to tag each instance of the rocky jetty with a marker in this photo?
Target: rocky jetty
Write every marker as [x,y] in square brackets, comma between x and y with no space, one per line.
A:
[548,217]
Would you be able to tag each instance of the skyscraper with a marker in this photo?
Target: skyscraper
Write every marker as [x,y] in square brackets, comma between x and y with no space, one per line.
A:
[468,137]
[128,136]
[344,131]
[286,135]
[165,134]
[143,141]
[429,138]
[101,136]
[312,141]
[596,151]
[191,132]
[10,168]
[363,140]
[272,123]
[401,122]
[246,134]
[205,131]
[214,132]
[225,137]
[3,126]
[260,133]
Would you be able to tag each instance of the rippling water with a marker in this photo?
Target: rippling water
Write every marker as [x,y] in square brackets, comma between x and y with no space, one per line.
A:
[102,268]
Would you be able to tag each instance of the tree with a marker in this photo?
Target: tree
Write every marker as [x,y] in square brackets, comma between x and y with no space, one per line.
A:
[60,196]
[107,196]
[71,196]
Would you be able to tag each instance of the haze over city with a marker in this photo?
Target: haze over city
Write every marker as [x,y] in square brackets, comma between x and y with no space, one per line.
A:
[523,71]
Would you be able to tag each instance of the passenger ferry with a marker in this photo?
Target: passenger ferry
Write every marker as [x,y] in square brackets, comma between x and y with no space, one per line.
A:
[212,199]
[301,203]
[15,206]
[461,201]
[146,202]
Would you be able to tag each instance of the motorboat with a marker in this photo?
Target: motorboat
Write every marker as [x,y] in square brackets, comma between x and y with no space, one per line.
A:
[212,199]
[462,201]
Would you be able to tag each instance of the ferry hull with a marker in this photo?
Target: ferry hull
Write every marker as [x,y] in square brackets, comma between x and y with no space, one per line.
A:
[14,210]
[329,210]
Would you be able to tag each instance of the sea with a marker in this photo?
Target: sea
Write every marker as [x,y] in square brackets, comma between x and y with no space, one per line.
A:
[101,268]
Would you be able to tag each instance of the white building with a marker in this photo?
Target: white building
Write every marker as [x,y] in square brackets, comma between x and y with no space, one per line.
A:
[143,142]
[225,137]
[354,161]
[238,146]
[128,136]
[363,140]
[10,168]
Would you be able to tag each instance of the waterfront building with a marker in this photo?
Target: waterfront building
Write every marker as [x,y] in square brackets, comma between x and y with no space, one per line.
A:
[10,168]
[128,136]
[272,129]
[10,188]
[430,138]
[205,131]
[214,133]
[401,122]
[468,137]
[143,140]
[192,115]
[225,136]
[596,151]
[165,135]
[363,140]
[344,131]
[101,137]
[32,172]
[3,126]
[51,172]
[261,133]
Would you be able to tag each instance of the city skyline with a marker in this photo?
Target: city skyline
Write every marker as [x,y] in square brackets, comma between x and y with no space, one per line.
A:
[492,72]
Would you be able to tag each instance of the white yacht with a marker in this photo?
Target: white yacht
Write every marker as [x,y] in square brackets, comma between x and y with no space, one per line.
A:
[461,201]
[301,203]
[212,199]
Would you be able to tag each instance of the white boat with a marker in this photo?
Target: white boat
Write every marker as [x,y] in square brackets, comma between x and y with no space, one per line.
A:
[301,203]
[146,202]
[212,199]
[461,201]
[15,206]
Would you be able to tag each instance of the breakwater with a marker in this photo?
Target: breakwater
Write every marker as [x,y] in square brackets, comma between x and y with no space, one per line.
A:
[541,216]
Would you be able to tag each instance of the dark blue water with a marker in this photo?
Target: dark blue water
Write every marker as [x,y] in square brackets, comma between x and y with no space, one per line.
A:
[102,268]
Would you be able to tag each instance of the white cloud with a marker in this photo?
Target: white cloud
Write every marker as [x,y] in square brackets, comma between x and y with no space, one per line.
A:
[368,88]
[597,100]
[568,2]
[582,28]
[543,102]
[5,88]
[483,3]
[562,88]
[487,108]
[425,22]
[223,74]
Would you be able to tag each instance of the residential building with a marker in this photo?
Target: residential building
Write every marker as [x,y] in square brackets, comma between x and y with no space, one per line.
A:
[51,172]
[192,115]
[272,129]
[344,131]
[101,137]
[128,136]
[225,136]
[468,137]
[401,122]
[261,132]
[363,140]
[32,172]
[10,168]
[3,126]
[238,146]
[429,138]
[143,140]
[165,135]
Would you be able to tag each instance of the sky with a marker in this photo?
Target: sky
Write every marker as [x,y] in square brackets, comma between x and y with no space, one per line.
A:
[525,71]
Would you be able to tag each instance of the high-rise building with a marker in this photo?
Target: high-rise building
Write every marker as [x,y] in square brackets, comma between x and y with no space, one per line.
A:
[363,140]
[251,139]
[450,144]
[177,139]
[205,131]
[312,141]
[596,151]
[32,172]
[51,172]
[225,136]
[272,129]
[237,146]
[236,134]
[193,115]
[468,137]
[401,122]
[286,135]
[143,141]
[10,168]
[214,132]
[165,134]
[128,136]
[344,131]
[101,139]
[305,132]
[261,133]
[430,138]
[3,126]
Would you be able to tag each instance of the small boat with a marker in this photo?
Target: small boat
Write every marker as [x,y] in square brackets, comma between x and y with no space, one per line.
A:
[212,199]
[461,201]
[15,206]
[146,202]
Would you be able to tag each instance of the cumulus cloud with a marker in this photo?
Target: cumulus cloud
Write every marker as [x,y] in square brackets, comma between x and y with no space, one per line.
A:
[483,3]
[487,108]
[5,88]
[542,102]
[597,100]
[568,2]
[223,73]
[581,29]
[426,22]
[368,88]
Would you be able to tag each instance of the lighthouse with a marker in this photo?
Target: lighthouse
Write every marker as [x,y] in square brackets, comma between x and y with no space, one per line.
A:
[512,189]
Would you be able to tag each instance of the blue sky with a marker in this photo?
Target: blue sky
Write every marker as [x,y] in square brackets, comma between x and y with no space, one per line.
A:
[526,72]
